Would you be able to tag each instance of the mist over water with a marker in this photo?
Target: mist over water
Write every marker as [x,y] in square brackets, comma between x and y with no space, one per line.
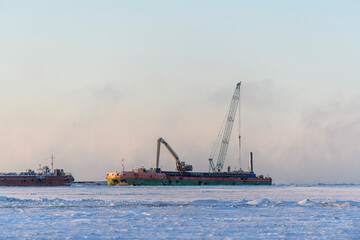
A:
[303,141]
[293,139]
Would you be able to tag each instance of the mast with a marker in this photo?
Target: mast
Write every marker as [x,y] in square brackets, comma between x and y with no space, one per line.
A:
[52,162]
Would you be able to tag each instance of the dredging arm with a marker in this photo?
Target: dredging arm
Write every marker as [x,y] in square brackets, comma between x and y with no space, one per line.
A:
[180,166]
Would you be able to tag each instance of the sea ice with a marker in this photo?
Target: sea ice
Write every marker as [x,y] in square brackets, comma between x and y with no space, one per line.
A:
[181,212]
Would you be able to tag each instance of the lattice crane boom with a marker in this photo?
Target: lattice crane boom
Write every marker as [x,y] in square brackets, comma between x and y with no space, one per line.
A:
[227,132]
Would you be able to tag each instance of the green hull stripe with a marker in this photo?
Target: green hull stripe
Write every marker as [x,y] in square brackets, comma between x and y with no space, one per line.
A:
[160,182]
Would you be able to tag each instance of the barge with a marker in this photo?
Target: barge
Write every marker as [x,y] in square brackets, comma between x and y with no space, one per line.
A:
[184,175]
[152,177]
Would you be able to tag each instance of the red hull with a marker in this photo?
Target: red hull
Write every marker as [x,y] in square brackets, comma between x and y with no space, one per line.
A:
[35,180]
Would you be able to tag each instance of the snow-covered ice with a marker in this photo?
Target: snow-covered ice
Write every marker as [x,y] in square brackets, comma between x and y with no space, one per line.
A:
[187,212]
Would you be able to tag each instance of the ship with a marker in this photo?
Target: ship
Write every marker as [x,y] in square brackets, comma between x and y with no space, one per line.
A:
[184,174]
[43,177]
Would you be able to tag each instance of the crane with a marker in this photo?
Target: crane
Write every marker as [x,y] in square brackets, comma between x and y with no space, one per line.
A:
[180,166]
[230,117]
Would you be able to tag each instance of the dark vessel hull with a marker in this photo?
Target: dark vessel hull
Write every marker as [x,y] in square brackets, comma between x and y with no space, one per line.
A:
[35,180]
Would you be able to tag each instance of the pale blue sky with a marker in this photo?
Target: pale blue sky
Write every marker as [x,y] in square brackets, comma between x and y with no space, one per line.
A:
[97,81]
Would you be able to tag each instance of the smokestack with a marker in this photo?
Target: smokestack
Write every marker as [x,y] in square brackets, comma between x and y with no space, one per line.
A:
[251,166]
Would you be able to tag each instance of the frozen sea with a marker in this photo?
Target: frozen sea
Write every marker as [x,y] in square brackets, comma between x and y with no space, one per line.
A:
[186,212]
